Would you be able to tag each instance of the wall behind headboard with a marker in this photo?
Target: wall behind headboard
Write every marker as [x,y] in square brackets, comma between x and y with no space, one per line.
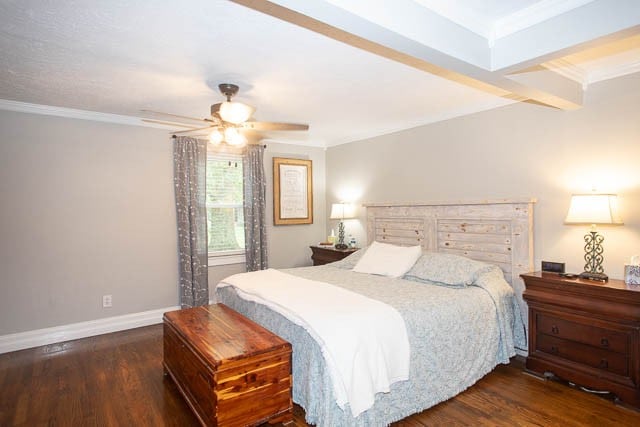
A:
[514,151]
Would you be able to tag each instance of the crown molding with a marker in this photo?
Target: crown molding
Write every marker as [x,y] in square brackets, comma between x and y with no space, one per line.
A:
[72,113]
[585,77]
[612,72]
[568,70]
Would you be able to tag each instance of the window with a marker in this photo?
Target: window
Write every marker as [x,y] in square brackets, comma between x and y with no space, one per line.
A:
[225,217]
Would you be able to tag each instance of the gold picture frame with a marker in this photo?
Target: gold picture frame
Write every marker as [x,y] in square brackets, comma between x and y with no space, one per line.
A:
[292,191]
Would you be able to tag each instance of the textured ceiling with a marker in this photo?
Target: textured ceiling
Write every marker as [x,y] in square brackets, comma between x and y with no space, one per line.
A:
[123,56]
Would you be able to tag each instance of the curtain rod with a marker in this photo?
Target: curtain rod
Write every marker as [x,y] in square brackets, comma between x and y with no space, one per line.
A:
[263,145]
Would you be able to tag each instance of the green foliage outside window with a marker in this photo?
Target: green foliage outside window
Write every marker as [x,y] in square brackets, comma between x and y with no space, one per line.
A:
[224,204]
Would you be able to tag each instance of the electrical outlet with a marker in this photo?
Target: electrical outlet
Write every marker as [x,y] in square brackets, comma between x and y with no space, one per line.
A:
[107,301]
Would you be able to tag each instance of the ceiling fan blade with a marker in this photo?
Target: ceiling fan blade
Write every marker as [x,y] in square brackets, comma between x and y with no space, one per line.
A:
[176,115]
[272,126]
[196,129]
[161,122]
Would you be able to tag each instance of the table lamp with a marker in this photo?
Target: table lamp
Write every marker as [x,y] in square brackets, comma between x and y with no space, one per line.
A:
[342,211]
[593,209]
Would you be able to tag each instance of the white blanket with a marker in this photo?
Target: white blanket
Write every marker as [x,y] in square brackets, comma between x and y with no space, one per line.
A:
[363,341]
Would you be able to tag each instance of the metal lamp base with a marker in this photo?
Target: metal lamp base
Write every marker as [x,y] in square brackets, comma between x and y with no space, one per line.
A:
[593,258]
[341,244]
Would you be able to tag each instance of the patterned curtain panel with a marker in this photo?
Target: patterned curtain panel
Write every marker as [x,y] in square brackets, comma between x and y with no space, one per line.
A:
[255,206]
[190,162]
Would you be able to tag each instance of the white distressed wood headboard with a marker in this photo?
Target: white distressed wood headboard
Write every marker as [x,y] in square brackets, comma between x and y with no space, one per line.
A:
[499,232]
[496,231]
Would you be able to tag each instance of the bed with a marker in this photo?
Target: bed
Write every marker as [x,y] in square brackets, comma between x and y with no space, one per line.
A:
[460,322]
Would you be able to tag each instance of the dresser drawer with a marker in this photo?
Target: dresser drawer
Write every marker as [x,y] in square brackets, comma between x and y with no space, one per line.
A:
[601,338]
[586,355]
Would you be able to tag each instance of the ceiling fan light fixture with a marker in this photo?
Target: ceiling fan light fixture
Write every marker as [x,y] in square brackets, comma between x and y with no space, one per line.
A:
[233,137]
[216,137]
[226,121]
[235,112]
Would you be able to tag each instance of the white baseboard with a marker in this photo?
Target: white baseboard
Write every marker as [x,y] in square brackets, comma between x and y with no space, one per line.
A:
[38,337]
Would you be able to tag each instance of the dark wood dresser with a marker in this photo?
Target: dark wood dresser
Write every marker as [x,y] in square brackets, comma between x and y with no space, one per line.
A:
[325,254]
[585,332]
[230,370]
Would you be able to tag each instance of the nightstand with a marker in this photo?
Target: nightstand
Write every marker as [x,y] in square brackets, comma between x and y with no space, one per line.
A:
[325,254]
[585,332]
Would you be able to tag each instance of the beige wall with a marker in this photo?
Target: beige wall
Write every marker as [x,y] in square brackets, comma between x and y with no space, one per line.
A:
[521,150]
[87,209]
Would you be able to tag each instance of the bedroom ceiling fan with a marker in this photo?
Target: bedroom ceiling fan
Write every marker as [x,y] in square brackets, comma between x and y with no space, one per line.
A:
[228,122]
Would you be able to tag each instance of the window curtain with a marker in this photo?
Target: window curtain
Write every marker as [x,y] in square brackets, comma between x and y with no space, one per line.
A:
[255,229]
[190,162]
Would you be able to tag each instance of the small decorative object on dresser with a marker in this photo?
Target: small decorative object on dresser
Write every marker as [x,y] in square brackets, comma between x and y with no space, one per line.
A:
[585,332]
[325,254]
[632,272]
[230,370]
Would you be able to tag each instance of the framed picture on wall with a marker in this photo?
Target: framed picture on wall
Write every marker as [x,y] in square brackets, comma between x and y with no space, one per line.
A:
[292,191]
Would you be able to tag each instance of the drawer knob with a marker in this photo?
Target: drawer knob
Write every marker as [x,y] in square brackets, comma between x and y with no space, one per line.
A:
[604,342]
[604,364]
[554,349]
[555,330]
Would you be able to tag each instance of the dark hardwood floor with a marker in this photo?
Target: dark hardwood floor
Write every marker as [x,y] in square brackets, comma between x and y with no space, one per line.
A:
[117,380]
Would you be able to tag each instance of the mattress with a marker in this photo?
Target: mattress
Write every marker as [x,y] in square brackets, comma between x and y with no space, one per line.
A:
[456,336]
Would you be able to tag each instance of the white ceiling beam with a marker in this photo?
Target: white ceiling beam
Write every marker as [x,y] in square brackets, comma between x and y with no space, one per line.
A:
[580,28]
[549,81]
[343,25]
[417,22]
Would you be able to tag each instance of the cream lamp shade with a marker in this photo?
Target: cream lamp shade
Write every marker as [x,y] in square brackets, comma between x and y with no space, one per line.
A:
[593,209]
[342,211]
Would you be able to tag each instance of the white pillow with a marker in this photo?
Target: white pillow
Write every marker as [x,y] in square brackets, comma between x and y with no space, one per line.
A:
[388,260]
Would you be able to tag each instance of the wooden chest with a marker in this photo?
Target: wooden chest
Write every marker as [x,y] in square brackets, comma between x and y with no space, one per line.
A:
[230,370]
